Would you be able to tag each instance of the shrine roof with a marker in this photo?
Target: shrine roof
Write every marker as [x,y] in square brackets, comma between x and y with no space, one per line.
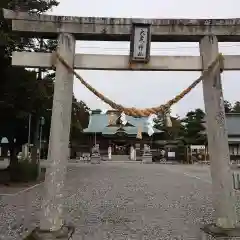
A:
[99,123]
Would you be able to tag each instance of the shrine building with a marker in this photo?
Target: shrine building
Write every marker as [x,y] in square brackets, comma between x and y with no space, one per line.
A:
[106,129]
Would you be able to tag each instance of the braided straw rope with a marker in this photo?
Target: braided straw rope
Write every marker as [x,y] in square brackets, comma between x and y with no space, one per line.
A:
[212,69]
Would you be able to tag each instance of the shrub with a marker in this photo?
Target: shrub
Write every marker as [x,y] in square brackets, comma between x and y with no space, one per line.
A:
[24,171]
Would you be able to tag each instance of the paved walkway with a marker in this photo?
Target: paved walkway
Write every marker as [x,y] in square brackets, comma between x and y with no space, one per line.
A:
[121,201]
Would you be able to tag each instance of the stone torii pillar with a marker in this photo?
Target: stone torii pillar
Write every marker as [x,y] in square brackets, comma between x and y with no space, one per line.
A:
[222,184]
[51,220]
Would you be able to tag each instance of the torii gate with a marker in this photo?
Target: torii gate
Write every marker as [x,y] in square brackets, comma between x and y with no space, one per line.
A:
[69,29]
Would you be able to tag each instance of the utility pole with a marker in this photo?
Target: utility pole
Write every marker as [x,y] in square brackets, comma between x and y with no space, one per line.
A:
[42,122]
[29,130]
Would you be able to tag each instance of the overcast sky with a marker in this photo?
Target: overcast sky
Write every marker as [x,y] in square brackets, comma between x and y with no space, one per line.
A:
[147,89]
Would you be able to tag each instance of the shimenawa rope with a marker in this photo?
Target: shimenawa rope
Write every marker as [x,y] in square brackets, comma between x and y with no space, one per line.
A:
[213,67]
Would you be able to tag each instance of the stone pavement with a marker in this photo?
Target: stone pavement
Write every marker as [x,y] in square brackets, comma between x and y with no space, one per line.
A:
[121,201]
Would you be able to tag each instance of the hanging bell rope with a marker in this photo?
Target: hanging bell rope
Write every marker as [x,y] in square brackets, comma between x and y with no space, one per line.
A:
[134,112]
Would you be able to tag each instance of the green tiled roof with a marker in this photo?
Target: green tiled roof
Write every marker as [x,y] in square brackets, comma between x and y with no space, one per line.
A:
[109,130]
[98,123]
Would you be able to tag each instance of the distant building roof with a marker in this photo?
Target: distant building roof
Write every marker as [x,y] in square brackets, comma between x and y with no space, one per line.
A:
[99,123]
[233,123]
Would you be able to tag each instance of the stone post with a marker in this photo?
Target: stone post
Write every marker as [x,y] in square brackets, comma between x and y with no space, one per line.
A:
[134,154]
[95,157]
[25,151]
[147,155]
[131,153]
[109,153]
[52,207]
[222,184]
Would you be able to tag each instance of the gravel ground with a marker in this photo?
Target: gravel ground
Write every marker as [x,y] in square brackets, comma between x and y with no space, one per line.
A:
[121,201]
